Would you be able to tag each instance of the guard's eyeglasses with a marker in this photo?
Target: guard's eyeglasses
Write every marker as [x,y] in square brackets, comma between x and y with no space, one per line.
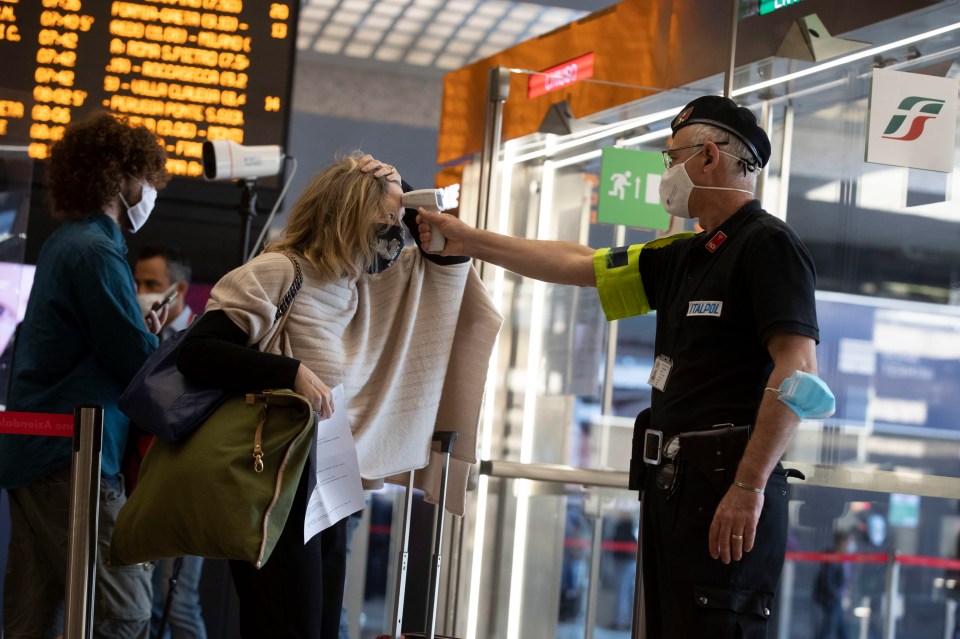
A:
[669,160]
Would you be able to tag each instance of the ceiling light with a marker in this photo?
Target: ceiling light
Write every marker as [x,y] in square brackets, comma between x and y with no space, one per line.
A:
[505,39]
[408,25]
[560,16]
[307,27]
[323,3]
[314,13]
[487,50]
[328,45]
[428,3]
[420,58]
[418,13]
[304,42]
[464,6]
[388,9]
[480,22]
[470,35]
[358,50]
[524,11]
[450,17]
[441,30]
[511,26]
[399,39]
[459,47]
[391,54]
[368,35]
[495,9]
[430,44]
[449,61]
[346,17]
[377,22]
[337,30]
[356,5]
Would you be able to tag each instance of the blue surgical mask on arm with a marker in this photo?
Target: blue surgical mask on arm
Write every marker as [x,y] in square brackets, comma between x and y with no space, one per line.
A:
[807,395]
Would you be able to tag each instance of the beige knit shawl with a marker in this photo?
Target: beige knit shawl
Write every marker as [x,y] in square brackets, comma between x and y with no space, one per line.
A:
[410,345]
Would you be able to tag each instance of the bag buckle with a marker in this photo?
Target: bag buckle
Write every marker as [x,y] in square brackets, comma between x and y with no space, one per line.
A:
[652,446]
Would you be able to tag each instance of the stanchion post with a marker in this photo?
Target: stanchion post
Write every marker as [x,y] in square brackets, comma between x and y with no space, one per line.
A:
[84,511]
[893,581]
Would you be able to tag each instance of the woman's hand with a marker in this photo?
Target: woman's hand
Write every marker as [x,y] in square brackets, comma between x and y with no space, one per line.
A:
[369,164]
[313,388]
[155,319]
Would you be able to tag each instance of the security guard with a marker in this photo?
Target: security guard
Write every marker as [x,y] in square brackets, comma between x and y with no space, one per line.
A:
[734,373]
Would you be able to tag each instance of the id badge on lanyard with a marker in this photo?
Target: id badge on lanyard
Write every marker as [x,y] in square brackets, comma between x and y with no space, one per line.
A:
[660,372]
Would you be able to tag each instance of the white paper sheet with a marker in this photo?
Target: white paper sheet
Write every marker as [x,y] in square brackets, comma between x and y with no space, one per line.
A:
[334,481]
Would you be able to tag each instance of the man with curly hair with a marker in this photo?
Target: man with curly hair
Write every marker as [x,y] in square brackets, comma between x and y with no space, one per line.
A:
[83,338]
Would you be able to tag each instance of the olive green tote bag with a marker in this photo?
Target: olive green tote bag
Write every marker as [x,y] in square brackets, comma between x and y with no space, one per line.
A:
[226,491]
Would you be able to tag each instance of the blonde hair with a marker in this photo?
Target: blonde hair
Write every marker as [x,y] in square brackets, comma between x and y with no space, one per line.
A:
[333,223]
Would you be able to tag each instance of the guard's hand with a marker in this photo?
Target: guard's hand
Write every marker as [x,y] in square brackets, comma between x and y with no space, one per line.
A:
[455,230]
[155,319]
[734,526]
[313,388]
[369,164]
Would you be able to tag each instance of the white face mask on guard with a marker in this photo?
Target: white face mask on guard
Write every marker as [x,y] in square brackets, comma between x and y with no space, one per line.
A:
[676,187]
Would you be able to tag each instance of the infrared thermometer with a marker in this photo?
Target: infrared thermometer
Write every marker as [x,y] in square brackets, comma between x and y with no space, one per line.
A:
[428,199]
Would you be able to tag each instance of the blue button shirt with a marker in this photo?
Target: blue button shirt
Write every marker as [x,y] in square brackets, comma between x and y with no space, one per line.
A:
[81,342]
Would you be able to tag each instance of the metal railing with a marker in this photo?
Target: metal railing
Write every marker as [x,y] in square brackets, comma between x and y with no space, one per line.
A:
[828,476]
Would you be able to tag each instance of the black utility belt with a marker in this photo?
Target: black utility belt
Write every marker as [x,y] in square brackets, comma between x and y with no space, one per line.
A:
[715,451]
[724,438]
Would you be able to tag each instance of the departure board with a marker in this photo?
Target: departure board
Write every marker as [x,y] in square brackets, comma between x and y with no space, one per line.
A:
[189,70]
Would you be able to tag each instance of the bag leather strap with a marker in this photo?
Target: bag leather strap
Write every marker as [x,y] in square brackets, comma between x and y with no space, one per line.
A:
[286,303]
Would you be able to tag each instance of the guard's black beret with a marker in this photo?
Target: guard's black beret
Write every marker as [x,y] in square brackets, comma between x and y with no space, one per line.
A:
[724,113]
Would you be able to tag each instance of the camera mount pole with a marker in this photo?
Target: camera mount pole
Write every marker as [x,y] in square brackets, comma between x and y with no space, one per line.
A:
[248,210]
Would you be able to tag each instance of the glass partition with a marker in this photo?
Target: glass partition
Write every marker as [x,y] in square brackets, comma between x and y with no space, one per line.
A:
[565,385]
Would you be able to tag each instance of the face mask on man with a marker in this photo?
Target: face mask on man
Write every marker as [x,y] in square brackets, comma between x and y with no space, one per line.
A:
[676,187]
[147,300]
[139,212]
[387,247]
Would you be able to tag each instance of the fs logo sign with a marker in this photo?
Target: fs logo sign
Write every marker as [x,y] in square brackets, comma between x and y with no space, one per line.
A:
[912,120]
[919,110]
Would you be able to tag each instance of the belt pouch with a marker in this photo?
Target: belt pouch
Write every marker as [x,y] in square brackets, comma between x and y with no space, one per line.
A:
[715,453]
[638,469]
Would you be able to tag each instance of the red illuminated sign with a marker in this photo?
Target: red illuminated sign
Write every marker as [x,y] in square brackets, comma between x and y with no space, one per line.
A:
[562,75]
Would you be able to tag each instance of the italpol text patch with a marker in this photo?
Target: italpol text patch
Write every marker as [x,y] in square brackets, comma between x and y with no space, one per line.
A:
[708,309]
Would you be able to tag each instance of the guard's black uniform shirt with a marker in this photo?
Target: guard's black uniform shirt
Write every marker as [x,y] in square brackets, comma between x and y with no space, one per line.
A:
[719,299]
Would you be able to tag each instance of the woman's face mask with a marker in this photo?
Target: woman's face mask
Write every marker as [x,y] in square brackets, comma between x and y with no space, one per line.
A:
[676,187]
[387,247]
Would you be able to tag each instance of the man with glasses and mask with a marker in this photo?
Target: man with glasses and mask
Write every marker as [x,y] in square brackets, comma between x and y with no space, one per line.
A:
[734,371]
[83,338]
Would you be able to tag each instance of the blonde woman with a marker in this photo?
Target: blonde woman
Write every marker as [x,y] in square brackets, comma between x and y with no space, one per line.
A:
[371,316]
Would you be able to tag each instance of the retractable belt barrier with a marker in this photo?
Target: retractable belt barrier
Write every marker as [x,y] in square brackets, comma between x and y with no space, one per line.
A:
[86,428]
[43,424]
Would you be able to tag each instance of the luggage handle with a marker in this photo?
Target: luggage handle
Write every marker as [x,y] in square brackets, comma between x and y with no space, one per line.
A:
[446,439]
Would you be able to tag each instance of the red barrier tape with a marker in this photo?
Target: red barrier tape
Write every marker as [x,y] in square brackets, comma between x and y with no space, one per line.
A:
[837,557]
[874,558]
[44,424]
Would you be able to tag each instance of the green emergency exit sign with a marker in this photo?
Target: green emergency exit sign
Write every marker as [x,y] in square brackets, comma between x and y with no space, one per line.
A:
[769,6]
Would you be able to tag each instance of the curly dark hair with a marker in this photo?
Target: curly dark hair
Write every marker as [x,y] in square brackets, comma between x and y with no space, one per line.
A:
[88,164]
